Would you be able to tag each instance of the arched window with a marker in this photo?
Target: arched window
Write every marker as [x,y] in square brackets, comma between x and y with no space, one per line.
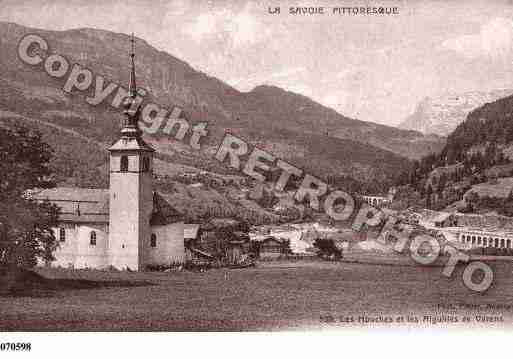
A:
[123,167]
[497,242]
[145,164]
[62,234]
[153,240]
[92,238]
[508,244]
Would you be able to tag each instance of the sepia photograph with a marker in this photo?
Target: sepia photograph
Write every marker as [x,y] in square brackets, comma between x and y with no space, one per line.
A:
[230,166]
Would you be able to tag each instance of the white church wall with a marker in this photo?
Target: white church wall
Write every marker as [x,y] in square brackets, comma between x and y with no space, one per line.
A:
[66,251]
[77,251]
[89,255]
[170,245]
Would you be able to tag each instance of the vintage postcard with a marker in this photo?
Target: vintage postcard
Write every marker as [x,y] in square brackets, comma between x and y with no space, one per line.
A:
[255,166]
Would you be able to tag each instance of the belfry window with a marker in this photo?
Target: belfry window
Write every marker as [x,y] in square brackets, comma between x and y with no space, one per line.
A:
[62,234]
[153,240]
[145,164]
[92,238]
[123,167]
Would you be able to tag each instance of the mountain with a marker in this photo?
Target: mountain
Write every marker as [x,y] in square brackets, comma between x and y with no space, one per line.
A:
[441,115]
[474,170]
[486,126]
[291,126]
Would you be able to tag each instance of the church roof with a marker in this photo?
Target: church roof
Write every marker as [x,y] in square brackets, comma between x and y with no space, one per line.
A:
[83,205]
[90,205]
[164,212]
[131,144]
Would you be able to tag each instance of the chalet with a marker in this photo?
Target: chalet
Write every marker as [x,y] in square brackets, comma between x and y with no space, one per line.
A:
[444,219]
[272,248]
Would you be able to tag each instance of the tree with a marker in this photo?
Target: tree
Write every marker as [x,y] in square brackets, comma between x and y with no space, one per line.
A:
[472,200]
[490,156]
[327,248]
[507,206]
[501,158]
[429,192]
[441,184]
[26,233]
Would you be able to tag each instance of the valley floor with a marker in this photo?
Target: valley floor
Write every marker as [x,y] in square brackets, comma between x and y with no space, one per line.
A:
[272,296]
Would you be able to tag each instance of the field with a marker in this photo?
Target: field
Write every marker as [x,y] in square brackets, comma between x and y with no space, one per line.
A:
[273,296]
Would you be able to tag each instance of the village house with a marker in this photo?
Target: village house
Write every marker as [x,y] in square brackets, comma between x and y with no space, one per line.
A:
[294,235]
[271,248]
[128,225]
[224,240]
[433,219]
[444,219]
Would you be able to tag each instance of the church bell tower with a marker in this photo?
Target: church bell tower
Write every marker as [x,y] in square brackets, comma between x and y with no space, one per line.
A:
[131,192]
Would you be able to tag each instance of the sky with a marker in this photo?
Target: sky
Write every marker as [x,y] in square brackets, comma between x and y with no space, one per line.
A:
[374,68]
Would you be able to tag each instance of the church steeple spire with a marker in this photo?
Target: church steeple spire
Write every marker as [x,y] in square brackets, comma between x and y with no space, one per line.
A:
[132,86]
[131,106]
[131,135]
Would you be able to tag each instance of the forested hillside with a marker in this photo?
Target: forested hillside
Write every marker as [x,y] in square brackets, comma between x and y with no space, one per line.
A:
[478,151]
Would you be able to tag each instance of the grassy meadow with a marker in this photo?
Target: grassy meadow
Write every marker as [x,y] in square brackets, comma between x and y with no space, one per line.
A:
[272,296]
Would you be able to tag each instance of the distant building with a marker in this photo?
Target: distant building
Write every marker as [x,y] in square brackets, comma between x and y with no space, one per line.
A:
[380,201]
[444,219]
[271,248]
[432,219]
[470,231]
[300,236]
[477,238]
[377,201]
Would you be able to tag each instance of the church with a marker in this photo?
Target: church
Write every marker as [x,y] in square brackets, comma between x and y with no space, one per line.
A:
[127,226]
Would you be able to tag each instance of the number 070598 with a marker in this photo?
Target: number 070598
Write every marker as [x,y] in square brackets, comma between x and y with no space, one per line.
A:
[15,347]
